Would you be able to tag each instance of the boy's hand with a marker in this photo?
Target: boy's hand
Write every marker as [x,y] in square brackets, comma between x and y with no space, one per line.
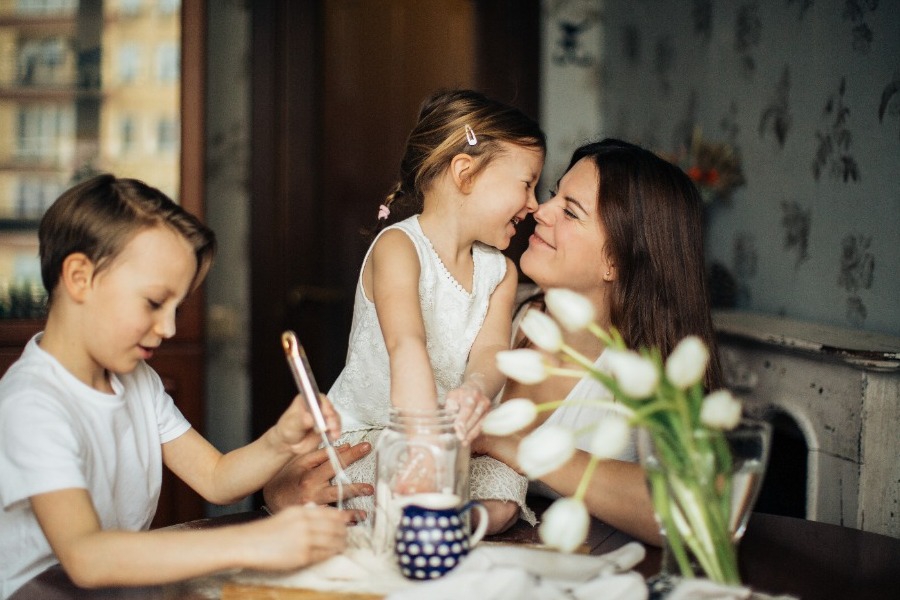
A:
[296,537]
[472,406]
[296,427]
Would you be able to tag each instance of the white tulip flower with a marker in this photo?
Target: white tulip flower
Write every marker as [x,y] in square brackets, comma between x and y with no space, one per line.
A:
[542,330]
[687,363]
[720,410]
[610,437]
[637,376]
[545,450]
[565,524]
[573,311]
[525,365]
[509,417]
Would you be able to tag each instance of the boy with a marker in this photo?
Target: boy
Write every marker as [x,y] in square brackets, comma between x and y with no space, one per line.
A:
[85,423]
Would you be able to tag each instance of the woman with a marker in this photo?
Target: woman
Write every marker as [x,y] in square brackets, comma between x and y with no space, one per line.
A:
[624,230]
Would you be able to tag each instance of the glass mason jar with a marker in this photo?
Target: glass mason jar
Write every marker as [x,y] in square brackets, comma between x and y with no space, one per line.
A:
[418,453]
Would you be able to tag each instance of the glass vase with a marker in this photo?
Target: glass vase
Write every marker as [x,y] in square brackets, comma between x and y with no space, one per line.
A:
[703,489]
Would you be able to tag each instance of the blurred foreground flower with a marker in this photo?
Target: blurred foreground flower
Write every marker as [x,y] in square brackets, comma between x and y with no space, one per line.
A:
[565,524]
[666,398]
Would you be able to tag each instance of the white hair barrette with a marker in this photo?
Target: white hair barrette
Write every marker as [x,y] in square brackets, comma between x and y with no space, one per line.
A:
[470,136]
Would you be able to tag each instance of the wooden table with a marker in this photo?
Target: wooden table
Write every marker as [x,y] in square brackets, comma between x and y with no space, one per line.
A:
[779,555]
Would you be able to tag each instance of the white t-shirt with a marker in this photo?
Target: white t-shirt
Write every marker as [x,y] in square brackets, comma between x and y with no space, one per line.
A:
[57,433]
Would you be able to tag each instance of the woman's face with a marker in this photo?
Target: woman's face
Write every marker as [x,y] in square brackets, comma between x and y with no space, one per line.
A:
[567,248]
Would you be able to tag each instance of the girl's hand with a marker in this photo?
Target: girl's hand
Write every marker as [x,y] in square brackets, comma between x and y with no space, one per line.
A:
[472,406]
[296,537]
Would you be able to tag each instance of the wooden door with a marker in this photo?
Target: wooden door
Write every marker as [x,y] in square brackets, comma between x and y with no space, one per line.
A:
[337,86]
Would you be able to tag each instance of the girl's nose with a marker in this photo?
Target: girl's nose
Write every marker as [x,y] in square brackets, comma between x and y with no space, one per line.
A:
[542,213]
[532,204]
[165,325]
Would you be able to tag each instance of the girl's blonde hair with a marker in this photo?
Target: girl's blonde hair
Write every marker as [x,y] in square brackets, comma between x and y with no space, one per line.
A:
[448,124]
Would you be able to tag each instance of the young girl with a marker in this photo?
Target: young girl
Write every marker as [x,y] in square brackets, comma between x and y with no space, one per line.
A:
[85,424]
[435,296]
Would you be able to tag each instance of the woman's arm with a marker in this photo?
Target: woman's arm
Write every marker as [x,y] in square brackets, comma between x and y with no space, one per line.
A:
[308,479]
[394,277]
[93,557]
[617,492]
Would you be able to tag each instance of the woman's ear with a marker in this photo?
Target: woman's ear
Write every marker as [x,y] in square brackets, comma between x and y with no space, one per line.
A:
[76,276]
[462,168]
[610,273]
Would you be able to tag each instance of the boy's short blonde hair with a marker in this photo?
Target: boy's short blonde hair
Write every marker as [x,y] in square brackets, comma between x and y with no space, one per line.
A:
[98,218]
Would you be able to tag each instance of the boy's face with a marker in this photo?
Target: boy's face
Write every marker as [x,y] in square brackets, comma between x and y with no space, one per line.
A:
[131,307]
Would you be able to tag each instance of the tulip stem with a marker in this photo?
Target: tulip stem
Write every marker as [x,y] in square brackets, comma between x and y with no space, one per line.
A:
[586,477]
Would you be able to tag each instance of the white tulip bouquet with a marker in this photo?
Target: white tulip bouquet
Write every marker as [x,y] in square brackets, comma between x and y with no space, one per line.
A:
[691,489]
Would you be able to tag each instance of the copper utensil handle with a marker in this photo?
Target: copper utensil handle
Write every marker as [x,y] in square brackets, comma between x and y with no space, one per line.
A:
[303,377]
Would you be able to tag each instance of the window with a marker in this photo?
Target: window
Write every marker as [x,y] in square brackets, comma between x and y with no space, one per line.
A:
[130,7]
[129,62]
[41,62]
[33,197]
[126,134]
[44,132]
[166,136]
[169,7]
[167,60]
[45,7]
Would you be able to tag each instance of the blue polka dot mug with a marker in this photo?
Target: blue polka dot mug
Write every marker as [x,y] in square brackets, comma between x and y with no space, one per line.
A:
[432,537]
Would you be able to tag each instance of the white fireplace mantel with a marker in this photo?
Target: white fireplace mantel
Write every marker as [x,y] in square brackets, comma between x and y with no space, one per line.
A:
[842,388]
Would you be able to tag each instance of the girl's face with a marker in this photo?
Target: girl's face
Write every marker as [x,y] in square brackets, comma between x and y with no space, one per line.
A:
[130,308]
[503,193]
[568,246]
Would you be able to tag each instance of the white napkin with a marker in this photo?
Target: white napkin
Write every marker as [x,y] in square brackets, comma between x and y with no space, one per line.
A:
[499,572]
[357,570]
[704,589]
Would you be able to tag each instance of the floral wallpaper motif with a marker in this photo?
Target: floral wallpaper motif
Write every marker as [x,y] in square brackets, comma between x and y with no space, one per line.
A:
[701,14]
[857,273]
[807,93]
[856,11]
[804,5]
[664,62]
[834,143]
[796,223]
[777,115]
[890,99]
[748,30]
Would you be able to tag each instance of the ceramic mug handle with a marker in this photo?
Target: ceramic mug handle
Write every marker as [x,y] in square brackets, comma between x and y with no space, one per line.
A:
[482,521]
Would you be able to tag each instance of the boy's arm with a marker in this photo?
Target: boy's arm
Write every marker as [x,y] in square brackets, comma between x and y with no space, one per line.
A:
[395,292]
[93,557]
[482,380]
[223,479]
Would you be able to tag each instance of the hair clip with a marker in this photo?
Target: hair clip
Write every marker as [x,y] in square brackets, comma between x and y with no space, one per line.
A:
[383,212]
[470,136]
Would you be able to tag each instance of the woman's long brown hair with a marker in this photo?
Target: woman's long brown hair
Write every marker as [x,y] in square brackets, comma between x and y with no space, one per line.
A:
[652,213]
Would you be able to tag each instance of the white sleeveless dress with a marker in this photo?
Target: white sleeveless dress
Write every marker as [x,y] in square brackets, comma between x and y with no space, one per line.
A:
[452,317]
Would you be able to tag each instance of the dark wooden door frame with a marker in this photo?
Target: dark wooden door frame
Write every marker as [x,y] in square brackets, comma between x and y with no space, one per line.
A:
[284,169]
[285,165]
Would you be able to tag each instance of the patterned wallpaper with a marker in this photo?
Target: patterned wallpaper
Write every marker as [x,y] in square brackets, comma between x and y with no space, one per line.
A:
[807,93]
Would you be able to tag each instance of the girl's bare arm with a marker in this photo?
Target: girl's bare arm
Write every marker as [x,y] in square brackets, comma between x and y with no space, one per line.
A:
[394,280]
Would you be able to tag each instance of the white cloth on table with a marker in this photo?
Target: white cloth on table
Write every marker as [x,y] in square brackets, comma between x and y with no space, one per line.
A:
[489,572]
[499,572]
